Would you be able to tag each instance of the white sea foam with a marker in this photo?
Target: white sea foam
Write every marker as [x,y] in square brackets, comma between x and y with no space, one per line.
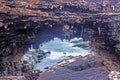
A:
[60,50]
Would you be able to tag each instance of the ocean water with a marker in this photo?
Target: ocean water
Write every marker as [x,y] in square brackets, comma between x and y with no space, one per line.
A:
[61,50]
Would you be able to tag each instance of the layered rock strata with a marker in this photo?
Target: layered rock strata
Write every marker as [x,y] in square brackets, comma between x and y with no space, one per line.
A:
[22,24]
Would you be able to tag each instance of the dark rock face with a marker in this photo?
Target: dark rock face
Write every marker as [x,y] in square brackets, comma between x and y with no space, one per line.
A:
[80,69]
[10,68]
[22,24]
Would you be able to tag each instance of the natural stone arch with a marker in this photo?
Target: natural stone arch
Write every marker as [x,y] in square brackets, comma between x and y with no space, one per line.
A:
[18,28]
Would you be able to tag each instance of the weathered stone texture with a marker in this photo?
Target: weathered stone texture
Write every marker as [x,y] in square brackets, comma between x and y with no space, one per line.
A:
[23,22]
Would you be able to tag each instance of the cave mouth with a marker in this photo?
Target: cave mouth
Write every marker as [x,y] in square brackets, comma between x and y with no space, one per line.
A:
[56,45]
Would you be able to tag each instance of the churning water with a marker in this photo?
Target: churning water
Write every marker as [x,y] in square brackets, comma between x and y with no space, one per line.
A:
[61,50]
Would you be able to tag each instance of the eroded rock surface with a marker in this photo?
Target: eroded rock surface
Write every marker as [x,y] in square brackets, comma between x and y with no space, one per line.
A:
[23,21]
[83,68]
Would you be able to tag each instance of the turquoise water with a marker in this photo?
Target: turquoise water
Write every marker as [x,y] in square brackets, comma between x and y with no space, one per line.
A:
[61,50]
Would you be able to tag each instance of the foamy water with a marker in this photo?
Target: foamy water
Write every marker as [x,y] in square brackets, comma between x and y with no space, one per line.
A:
[60,50]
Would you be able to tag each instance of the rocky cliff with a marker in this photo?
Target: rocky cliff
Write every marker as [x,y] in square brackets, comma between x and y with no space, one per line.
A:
[23,21]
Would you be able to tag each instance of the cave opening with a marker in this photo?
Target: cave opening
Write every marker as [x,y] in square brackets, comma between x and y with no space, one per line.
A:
[55,51]
[48,43]
[59,39]
[56,44]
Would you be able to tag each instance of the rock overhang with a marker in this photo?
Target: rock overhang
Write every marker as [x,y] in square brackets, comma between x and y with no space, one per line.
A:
[22,22]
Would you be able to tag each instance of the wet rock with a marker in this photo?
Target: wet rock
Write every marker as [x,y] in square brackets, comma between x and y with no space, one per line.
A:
[33,57]
[78,70]
[46,67]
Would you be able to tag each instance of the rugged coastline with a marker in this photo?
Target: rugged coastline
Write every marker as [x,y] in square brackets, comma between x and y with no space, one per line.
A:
[23,22]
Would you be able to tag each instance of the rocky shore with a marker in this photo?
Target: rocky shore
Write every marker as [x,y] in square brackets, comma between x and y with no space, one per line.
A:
[27,22]
[78,68]
[33,57]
